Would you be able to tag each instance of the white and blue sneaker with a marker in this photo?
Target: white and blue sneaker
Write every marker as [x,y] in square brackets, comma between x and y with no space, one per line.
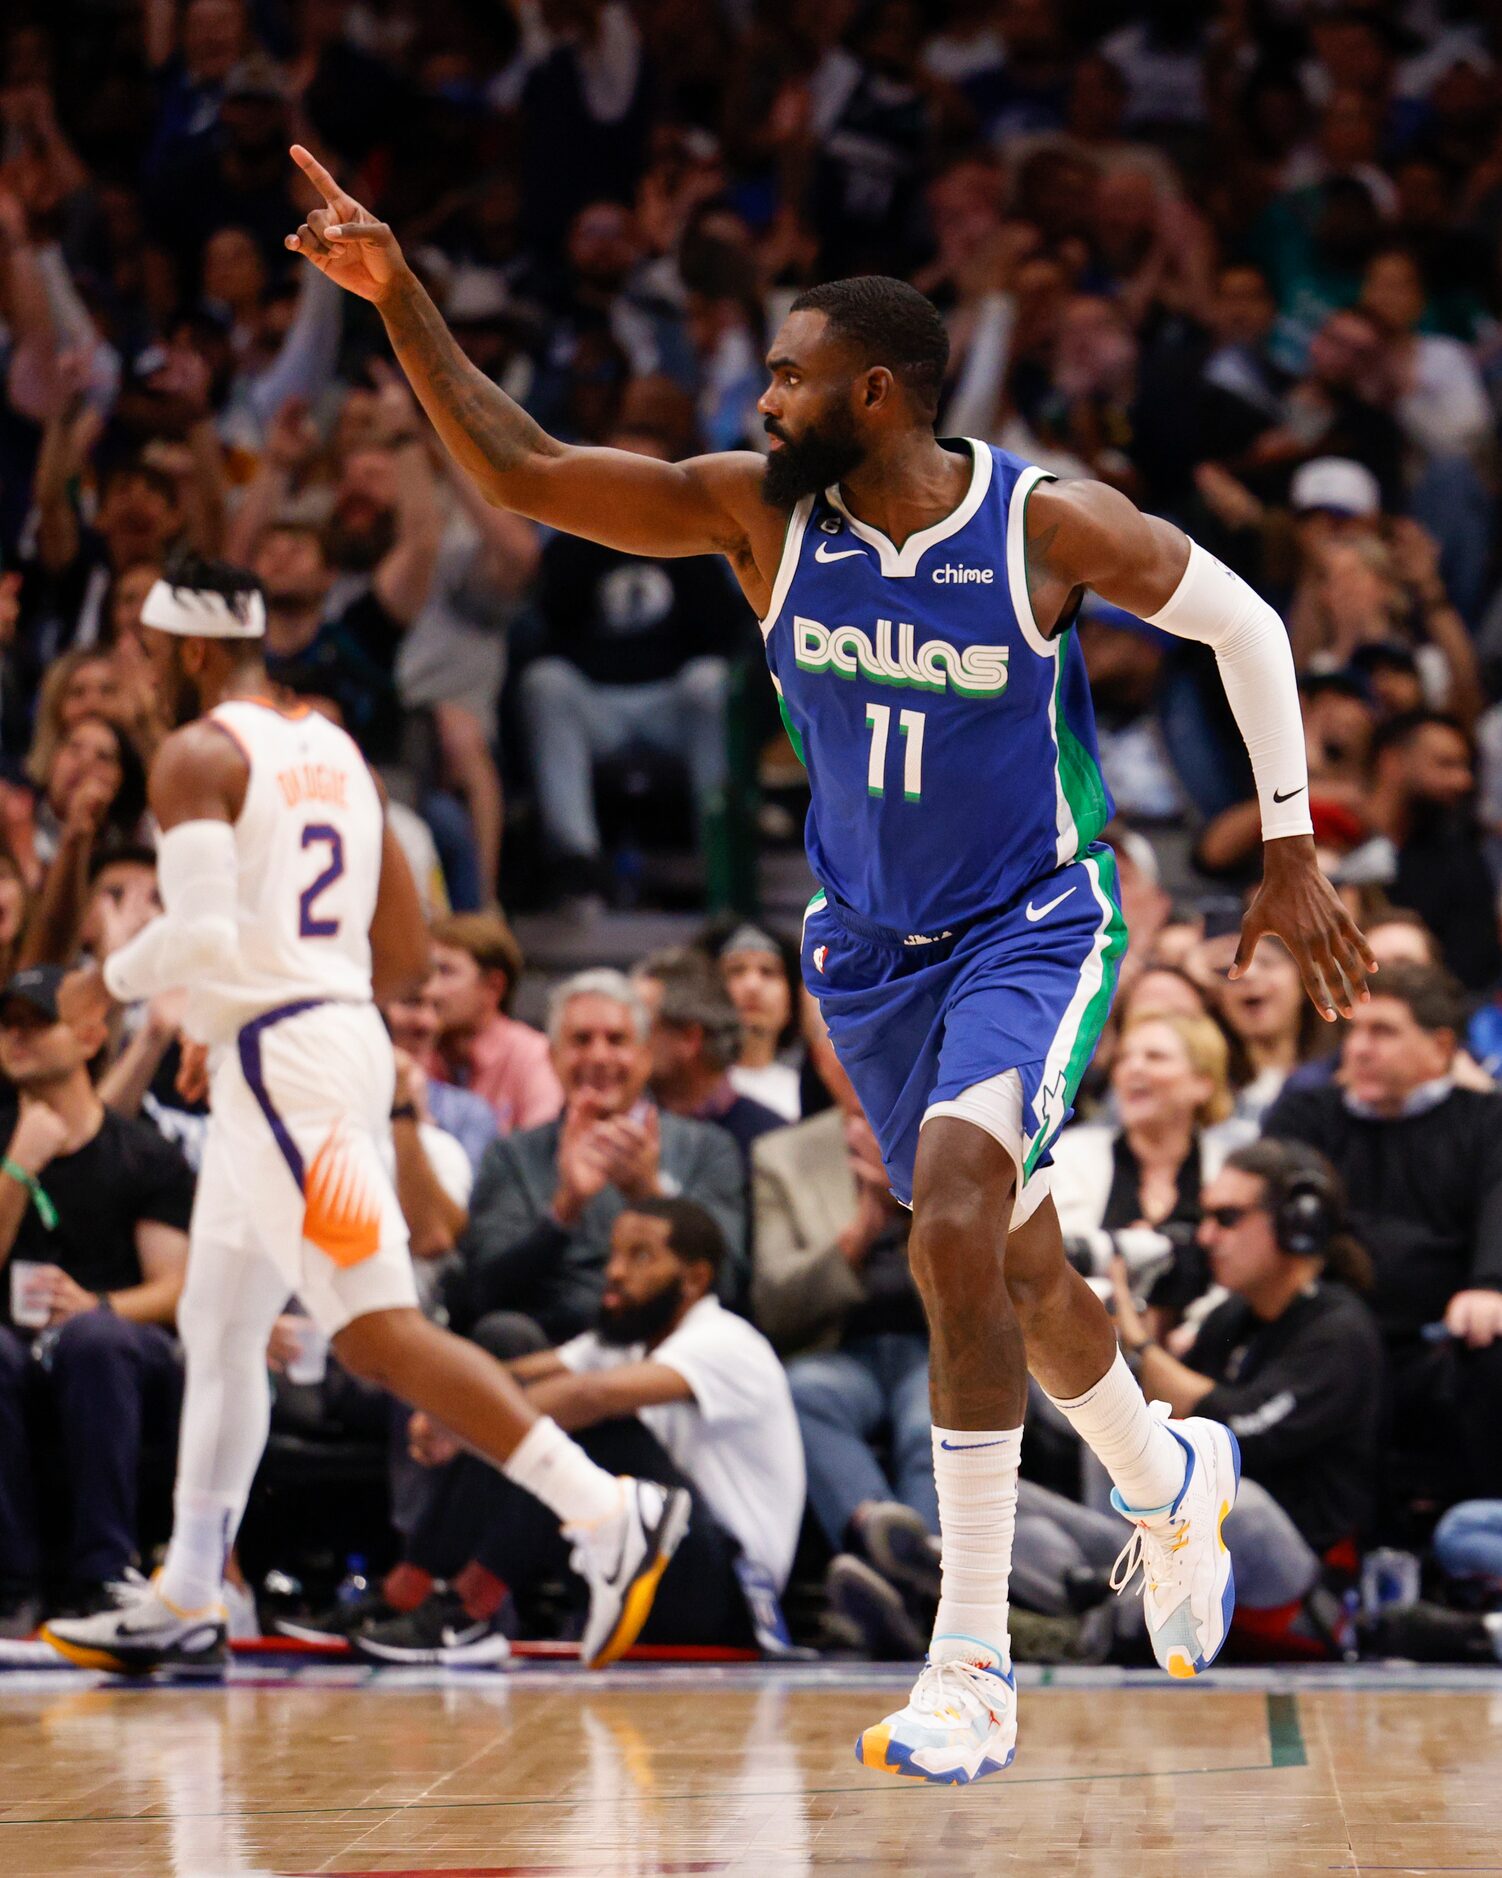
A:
[1189,1588]
[960,1723]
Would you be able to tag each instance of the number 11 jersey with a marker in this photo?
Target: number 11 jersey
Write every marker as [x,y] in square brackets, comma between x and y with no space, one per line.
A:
[308,845]
[950,745]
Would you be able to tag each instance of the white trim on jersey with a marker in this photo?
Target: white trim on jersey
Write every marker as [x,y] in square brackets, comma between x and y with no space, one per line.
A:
[1022,604]
[902,563]
[792,547]
[1067,835]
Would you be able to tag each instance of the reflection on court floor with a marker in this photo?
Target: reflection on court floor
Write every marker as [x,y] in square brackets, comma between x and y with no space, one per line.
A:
[328,1768]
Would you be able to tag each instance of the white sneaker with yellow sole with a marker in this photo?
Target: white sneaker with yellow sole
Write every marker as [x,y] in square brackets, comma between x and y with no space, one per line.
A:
[1189,1587]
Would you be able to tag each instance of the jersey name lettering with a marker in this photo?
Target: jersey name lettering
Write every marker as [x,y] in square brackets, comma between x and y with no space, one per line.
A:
[313,782]
[894,659]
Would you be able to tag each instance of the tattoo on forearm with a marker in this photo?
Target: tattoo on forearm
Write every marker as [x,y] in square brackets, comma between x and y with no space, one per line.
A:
[485,430]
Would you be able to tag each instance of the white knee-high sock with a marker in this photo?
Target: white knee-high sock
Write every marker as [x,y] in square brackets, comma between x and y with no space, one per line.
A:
[560,1474]
[225,1317]
[975,1472]
[1145,1461]
[203,1530]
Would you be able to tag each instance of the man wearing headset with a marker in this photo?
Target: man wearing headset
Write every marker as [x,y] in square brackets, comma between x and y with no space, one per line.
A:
[1291,1360]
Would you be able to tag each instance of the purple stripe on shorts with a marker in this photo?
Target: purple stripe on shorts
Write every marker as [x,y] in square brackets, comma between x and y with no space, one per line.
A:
[250,1066]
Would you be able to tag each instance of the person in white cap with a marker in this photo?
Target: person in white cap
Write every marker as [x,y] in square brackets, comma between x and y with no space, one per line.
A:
[1336,485]
[287,906]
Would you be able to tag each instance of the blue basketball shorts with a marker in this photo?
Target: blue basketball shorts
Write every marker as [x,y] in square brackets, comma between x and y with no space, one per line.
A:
[954,1021]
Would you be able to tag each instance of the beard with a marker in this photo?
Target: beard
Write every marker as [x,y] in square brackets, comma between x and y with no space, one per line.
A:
[182,699]
[359,549]
[826,453]
[640,1323]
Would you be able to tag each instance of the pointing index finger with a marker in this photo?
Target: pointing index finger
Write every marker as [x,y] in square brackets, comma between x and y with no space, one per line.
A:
[319,177]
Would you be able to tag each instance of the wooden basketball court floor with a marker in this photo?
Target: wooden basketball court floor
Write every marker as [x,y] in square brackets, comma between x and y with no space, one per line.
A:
[743,1770]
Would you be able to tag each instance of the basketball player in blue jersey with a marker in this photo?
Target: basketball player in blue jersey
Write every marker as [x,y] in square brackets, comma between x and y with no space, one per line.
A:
[916,597]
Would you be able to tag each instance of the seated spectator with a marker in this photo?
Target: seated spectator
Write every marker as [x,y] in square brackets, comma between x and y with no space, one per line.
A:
[1158,989]
[340,601]
[763,985]
[477,966]
[1422,1161]
[463,1113]
[82,683]
[139,517]
[1377,608]
[1291,1361]
[831,1287]
[1240,388]
[1399,936]
[547,1198]
[696,1033]
[1446,418]
[151,1075]
[94,782]
[1165,991]
[434,1176]
[636,653]
[1421,784]
[1269,1013]
[97,1208]
[667,1385]
[1170,1080]
[15,909]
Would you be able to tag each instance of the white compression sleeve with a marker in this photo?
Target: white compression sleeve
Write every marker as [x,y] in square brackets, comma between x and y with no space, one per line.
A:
[196,934]
[1251,648]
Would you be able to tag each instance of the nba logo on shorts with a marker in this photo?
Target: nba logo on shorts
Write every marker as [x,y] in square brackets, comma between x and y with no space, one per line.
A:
[820,954]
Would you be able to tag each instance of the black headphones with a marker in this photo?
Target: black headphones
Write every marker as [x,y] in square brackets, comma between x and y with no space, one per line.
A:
[1306,1213]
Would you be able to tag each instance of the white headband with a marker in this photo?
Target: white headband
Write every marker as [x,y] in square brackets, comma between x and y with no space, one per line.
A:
[196,614]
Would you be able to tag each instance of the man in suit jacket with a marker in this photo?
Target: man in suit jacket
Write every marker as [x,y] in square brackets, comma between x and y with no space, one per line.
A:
[546,1199]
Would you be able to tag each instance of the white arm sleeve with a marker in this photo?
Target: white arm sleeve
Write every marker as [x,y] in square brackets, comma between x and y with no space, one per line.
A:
[1251,648]
[196,935]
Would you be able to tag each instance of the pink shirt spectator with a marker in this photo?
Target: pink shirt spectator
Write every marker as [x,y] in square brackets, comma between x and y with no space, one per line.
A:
[511,1069]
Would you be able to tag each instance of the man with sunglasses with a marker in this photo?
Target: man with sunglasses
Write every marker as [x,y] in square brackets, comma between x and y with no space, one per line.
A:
[1291,1362]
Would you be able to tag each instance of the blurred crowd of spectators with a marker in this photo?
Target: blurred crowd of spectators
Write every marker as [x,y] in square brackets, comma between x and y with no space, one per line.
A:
[1243,261]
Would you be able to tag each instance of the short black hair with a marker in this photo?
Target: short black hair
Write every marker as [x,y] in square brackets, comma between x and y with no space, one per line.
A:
[890,323]
[120,854]
[196,573]
[694,1235]
[134,469]
[1398,732]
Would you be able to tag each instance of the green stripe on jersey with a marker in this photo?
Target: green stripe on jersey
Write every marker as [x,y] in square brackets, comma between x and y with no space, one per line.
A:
[1079,774]
[794,738]
[1105,958]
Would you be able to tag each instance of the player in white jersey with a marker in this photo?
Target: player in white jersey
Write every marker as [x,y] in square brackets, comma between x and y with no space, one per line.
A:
[286,904]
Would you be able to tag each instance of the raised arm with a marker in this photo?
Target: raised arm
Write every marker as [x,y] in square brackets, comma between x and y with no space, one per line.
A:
[707,505]
[1084,534]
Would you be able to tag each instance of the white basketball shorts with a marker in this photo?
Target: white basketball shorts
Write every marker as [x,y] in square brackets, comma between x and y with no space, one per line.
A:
[298,1166]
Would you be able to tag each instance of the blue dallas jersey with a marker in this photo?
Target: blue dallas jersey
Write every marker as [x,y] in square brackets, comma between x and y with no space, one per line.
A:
[950,746]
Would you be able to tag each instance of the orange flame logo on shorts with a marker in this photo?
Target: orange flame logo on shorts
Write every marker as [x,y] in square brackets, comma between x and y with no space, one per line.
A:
[341,1218]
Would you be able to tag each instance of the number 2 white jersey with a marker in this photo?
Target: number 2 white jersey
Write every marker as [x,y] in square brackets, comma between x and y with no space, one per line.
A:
[308,841]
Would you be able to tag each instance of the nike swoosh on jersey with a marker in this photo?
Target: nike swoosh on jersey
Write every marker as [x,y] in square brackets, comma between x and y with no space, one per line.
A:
[821,553]
[1035,913]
